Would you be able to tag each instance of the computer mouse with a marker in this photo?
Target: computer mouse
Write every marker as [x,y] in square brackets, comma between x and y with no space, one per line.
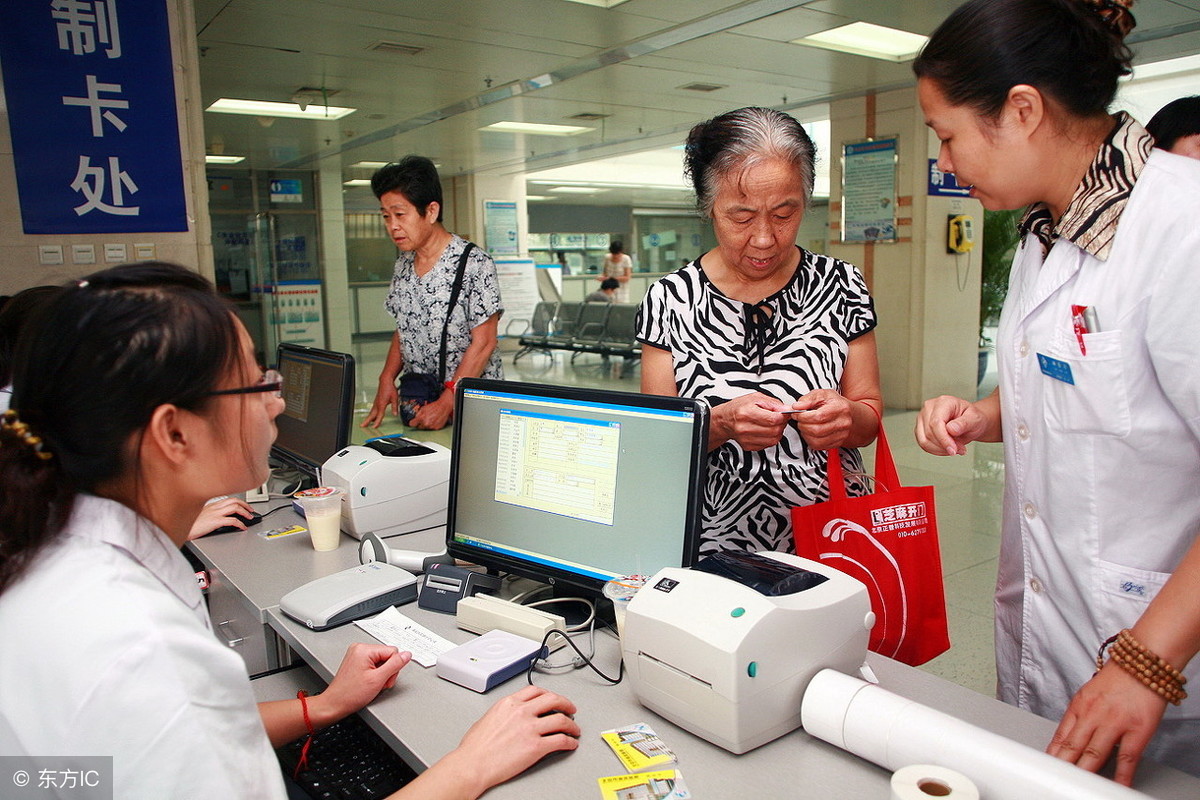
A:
[559,711]
[253,519]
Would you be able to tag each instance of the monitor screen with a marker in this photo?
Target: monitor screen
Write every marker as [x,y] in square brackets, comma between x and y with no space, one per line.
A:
[575,486]
[318,393]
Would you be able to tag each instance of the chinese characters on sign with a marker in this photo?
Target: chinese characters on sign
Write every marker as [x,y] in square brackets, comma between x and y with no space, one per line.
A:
[944,184]
[91,100]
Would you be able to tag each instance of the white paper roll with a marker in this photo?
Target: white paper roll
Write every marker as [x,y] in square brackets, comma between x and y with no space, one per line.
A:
[923,781]
[893,732]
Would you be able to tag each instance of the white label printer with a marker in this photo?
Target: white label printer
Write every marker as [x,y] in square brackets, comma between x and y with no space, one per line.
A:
[393,485]
[728,655]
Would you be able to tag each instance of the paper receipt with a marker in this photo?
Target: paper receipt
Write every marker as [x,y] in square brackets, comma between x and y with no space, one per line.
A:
[392,627]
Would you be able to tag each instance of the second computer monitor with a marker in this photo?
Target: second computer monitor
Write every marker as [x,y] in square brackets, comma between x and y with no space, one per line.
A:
[318,394]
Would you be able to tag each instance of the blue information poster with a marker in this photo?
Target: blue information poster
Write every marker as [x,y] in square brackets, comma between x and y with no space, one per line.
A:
[91,108]
[869,191]
[500,228]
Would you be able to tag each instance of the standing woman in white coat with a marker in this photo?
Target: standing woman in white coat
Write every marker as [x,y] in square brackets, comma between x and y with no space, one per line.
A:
[1099,398]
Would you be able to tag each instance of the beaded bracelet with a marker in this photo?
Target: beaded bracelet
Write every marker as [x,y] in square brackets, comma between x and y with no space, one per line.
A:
[1139,661]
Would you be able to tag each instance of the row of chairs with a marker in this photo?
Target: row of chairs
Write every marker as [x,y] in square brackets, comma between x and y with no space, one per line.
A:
[606,329]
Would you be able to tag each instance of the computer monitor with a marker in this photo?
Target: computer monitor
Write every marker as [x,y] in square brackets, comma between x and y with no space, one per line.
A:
[575,486]
[318,392]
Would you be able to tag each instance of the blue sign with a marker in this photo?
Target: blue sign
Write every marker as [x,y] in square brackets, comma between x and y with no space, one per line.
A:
[943,184]
[287,190]
[92,113]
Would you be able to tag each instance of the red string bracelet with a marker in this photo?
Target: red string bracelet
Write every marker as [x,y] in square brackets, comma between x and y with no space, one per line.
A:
[302,764]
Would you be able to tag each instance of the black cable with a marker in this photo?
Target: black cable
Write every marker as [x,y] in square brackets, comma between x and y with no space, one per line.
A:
[586,660]
[266,514]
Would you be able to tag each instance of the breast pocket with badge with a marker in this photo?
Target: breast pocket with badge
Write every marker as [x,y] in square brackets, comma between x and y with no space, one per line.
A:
[1086,393]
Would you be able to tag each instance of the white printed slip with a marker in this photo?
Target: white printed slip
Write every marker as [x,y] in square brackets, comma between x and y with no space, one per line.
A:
[392,627]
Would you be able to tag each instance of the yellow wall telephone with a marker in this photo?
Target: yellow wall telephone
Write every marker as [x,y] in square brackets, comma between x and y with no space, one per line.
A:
[960,233]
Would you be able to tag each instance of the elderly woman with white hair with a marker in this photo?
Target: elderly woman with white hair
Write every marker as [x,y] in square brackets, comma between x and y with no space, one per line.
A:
[779,340]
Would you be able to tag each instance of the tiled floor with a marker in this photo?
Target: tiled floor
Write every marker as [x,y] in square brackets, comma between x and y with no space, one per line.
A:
[968,488]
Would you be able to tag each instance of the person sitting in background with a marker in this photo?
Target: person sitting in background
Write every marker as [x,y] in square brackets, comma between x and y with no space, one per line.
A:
[760,328]
[606,293]
[617,264]
[1176,127]
[136,397]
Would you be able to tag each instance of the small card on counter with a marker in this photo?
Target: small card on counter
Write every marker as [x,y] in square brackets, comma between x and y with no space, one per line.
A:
[638,747]
[664,784]
[392,627]
[279,533]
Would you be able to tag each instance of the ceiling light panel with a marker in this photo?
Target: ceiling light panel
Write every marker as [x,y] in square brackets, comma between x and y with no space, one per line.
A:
[211,159]
[598,3]
[536,128]
[266,108]
[396,48]
[865,39]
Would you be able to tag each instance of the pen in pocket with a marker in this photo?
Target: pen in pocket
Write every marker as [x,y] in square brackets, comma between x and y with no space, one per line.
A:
[1084,320]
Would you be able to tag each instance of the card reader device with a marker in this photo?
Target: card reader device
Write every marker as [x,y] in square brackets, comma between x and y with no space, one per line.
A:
[446,584]
[349,595]
[489,660]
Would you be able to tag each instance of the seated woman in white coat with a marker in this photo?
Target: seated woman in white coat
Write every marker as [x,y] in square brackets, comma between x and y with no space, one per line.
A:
[138,399]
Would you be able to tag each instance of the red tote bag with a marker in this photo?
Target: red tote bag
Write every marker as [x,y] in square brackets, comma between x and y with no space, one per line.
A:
[889,541]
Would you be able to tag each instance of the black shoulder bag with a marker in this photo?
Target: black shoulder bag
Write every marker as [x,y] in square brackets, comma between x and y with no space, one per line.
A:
[419,388]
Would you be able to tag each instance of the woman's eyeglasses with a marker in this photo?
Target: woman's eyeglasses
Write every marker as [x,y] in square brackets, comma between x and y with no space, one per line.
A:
[271,381]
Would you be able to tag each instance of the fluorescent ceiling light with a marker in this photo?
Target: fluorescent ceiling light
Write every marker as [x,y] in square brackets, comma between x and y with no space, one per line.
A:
[865,39]
[265,108]
[537,197]
[599,3]
[576,190]
[211,159]
[536,127]
[378,164]
[614,184]
[1172,66]
[357,182]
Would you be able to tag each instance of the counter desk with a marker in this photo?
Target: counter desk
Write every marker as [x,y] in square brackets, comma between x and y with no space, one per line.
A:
[424,717]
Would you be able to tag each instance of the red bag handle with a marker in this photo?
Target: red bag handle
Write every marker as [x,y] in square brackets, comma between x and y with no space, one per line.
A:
[885,466]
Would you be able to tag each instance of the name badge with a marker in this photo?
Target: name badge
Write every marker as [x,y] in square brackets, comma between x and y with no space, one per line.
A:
[1053,368]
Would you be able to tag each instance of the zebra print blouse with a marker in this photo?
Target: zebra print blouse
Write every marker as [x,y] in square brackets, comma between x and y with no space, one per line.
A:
[790,343]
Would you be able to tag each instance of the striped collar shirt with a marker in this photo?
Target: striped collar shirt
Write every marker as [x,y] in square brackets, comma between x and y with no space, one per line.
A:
[1090,220]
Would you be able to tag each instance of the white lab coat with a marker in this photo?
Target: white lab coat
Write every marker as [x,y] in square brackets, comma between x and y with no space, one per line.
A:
[107,650]
[1102,489]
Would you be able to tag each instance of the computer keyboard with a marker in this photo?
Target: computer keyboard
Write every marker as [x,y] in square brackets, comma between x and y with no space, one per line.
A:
[346,760]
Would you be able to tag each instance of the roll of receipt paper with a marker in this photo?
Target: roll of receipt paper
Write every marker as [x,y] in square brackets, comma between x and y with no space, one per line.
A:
[894,732]
[923,781]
